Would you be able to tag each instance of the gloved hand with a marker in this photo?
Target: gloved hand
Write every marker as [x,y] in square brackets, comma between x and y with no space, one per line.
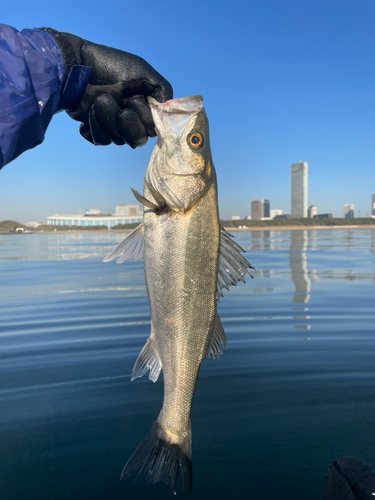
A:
[114,106]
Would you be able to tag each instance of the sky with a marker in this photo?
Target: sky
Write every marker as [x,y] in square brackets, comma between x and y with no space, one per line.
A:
[282,80]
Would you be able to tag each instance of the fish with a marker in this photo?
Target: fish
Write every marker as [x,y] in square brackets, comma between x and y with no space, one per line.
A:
[188,260]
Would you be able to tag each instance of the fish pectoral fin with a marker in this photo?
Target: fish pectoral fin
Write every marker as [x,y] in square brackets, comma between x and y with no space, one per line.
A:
[232,265]
[159,208]
[132,248]
[218,340]
[147,203]
[148,359]
[158,197]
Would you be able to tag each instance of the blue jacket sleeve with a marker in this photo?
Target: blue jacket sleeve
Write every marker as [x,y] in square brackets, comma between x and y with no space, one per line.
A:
[33,88]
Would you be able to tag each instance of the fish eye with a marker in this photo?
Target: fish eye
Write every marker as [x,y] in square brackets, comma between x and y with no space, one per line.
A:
[196,140]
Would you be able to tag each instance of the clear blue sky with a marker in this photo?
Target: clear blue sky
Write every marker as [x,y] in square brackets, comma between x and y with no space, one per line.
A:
[282,80]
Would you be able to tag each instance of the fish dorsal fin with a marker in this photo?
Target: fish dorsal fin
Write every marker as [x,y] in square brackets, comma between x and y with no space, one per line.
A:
[148,359]
[232,266]
[218,340]
[132,248]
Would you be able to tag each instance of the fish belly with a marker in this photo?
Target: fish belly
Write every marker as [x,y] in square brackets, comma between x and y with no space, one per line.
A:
[181,253]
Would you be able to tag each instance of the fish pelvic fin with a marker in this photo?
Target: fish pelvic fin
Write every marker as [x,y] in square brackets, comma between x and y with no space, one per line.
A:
[218,340]
[148,359]
[161,459]
[160,207]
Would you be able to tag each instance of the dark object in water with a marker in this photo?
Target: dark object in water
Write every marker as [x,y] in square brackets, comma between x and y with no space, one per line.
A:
[349,479]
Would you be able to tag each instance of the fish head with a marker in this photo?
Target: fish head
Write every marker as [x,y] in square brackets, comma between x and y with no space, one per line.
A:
[181,168]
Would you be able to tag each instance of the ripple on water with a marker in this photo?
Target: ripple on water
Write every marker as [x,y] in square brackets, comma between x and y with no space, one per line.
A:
[280,402]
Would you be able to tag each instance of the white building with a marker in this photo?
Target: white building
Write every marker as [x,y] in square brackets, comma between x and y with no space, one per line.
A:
[33,225]
[128,210]
[275,212]
[298,206]
[236,217]
[125,214]
[312,210]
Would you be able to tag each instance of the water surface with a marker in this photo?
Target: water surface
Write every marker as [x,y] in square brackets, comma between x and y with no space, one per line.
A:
[294,390]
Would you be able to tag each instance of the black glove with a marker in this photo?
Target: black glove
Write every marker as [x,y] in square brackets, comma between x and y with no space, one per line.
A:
[114,106]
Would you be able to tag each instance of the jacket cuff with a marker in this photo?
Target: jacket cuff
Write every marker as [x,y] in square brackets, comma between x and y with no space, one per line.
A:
[77,76]
[70,56]
[74,87]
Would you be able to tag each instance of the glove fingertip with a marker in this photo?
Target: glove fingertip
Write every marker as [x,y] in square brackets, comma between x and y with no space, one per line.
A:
[166,92]
[132,129]
[100,138]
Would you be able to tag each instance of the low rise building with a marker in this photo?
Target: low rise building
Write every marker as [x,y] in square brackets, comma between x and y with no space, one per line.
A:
[33,225]
[283,216]
[323,216]
[94,217]
[275,212]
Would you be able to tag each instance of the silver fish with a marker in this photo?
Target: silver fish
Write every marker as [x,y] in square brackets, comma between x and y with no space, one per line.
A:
[188,260]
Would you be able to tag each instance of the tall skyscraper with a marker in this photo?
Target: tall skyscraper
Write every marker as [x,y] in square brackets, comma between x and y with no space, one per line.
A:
[298,205]
[259,209]
[373,204]
[349,211]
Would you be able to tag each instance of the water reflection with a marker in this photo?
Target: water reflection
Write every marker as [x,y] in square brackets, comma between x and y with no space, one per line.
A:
[373,248]
[372,241]
[300,278]
[298,266]
[55,246]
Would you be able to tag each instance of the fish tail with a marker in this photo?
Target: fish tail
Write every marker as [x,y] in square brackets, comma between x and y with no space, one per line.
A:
[161,459]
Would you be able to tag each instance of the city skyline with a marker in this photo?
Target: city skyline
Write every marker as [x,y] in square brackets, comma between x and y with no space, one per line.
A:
[315,107]
[261,209]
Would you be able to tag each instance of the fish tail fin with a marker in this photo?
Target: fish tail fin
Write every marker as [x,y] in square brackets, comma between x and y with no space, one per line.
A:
[161,456]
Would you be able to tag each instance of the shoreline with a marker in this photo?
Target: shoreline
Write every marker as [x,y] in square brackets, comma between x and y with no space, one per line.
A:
[294,228]
[229,229]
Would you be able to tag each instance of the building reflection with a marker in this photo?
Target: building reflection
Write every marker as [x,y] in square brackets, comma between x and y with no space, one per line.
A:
[373,247]
[300,277]
[260,240]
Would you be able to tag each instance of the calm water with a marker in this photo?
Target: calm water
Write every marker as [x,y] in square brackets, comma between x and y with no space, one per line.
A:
[294,390]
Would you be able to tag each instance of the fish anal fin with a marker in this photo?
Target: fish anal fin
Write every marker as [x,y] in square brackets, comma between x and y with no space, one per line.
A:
[218,340]
[132,248]
[148,359]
